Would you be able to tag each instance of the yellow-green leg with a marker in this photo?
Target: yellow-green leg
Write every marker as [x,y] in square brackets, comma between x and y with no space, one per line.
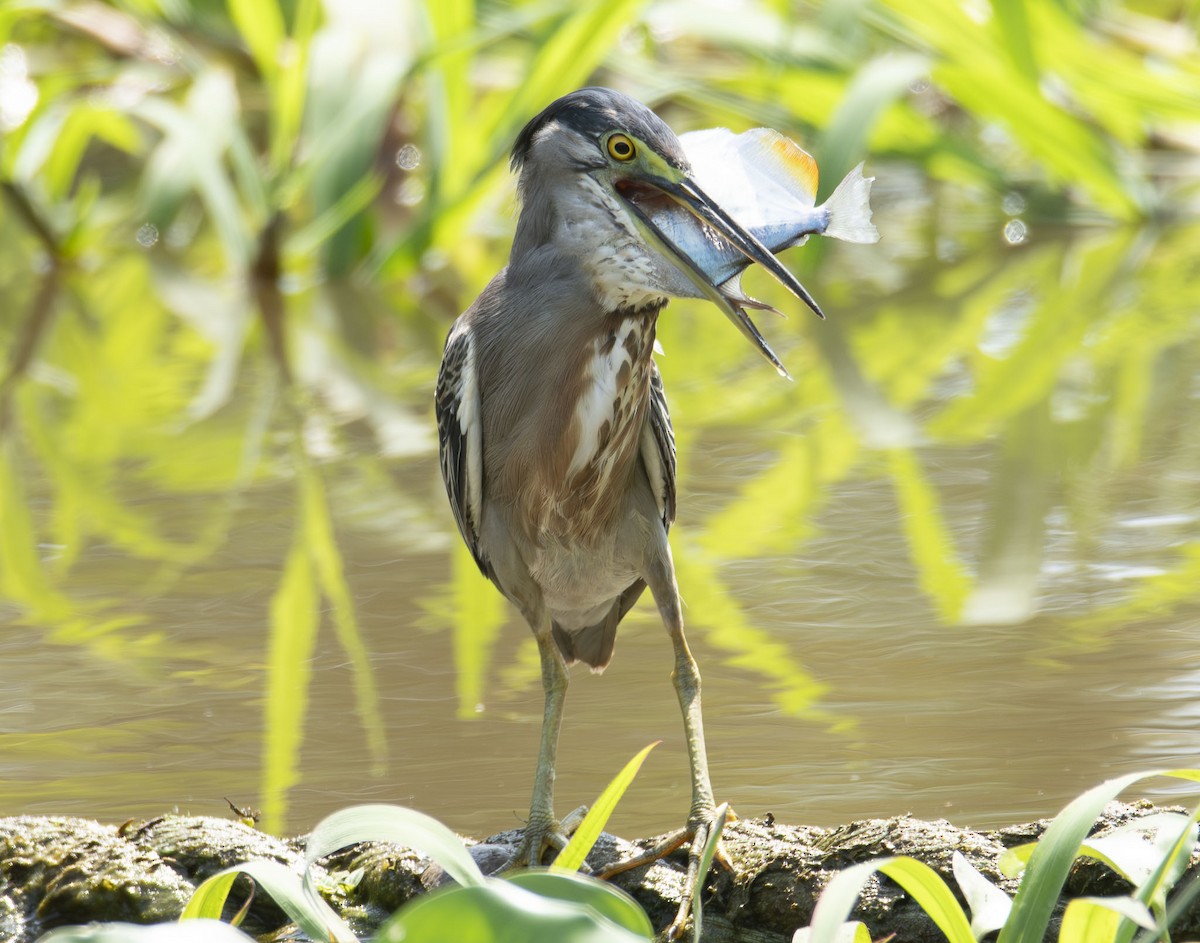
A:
[702,815]
[543,829]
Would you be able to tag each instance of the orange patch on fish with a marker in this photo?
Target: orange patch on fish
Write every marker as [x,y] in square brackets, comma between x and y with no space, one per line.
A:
[802,163]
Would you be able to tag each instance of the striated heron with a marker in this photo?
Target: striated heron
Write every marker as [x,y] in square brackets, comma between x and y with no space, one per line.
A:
[556,445]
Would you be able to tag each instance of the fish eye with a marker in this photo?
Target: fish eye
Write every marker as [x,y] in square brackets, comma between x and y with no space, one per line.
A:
[620,147]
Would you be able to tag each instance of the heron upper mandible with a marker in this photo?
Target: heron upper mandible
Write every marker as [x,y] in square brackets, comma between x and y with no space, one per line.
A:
[556,445]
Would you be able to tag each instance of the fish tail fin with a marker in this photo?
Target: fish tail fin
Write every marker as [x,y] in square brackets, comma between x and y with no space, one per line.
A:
[849,209]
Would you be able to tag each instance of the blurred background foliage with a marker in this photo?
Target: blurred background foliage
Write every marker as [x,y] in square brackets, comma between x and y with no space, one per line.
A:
[236,234]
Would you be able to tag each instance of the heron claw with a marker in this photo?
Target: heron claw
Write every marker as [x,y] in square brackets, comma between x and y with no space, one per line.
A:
[541,835]
[695,835]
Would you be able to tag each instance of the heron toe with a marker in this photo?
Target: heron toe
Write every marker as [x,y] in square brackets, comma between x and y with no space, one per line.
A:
[541,835]
[695,834]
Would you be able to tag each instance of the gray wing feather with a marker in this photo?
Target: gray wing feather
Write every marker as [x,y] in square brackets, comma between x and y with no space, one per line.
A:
[660,462]
[460,439]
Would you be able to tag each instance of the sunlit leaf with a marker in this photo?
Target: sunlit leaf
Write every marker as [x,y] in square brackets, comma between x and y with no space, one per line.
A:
[920,881]
[501,912]
[571,858]
[988,904]
[193,931]
[707,853]
[1098,919]
[315,918]
[288,87]
[876,85]
[260,23]
[387,823]
[1058,847]
[606,899]
[850,932]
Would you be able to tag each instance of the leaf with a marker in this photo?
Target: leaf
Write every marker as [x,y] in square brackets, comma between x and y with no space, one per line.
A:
[193,931]
[500,912]
[876,86]
[390,823]
[208,899]
[606,899]
[1013,23]
[1014,860]
[989,905]
[195,138]
[260,23]
[315,918]
[1134,857]
[850,932]
[919,880]
[287,86]
[1098,919]
[706,859]
[1051,860]
[571,858]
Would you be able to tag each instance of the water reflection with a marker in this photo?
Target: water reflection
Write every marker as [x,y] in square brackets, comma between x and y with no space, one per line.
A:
[949,570]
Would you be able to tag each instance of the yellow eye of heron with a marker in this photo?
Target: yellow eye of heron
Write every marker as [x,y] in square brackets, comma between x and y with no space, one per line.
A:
[620,147]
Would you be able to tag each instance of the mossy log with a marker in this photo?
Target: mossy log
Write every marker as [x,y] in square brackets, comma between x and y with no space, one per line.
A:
[58,871]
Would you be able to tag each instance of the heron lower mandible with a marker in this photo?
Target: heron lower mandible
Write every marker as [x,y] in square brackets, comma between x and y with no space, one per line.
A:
[556,445]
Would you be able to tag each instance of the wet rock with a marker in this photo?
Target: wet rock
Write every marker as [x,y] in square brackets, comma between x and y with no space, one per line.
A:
[57,871]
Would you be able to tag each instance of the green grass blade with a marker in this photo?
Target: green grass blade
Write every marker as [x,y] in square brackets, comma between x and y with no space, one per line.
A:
[874,88]
[851,932]
[288,85]
[919,880]
[1016,859]
[389,823]
[309,239]
[1172,864]
[315,917]
[1056,851]
[500,912]
[260,24]
[572,857]
[927,888]
[1013,21]
[606,899]
[989,905]
[706,860]
[208,900]
[1098,919]
[194,931]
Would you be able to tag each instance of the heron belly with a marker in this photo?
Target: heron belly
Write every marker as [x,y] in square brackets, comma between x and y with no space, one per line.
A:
[579,584]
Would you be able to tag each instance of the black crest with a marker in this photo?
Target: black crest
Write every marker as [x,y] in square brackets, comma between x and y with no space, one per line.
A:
[594,111]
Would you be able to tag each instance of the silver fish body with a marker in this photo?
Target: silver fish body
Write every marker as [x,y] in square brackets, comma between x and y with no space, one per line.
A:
[768,185]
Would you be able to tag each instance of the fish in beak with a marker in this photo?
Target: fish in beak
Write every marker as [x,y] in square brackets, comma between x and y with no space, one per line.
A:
[748,196]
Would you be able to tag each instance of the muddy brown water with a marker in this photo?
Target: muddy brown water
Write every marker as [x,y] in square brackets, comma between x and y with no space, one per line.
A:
[950,570]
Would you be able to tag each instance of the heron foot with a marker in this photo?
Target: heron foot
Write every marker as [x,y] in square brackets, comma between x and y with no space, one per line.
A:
[543,832]
[695,834]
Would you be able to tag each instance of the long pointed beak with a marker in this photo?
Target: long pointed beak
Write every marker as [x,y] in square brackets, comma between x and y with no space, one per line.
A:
[694,274]
[690,196]
[706,212]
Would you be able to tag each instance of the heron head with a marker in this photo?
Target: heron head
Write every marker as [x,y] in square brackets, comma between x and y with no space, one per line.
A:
[599,161]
